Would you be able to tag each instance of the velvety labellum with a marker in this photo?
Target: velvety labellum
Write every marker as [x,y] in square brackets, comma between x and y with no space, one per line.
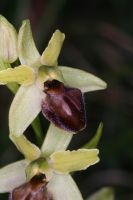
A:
[64,106]
[35,189]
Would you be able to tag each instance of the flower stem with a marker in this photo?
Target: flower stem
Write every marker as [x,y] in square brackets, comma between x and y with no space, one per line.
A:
[36,125]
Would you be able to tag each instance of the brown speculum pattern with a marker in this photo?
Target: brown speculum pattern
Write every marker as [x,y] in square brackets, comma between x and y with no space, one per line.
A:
[64,106]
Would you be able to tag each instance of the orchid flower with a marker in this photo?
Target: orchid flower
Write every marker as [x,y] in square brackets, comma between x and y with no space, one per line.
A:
[56,167]
[39,76]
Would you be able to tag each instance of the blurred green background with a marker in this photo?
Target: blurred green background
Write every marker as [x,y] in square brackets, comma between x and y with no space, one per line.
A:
[99,39]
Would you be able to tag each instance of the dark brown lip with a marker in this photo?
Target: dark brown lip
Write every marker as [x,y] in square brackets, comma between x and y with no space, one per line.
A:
[64,106]
[35,189]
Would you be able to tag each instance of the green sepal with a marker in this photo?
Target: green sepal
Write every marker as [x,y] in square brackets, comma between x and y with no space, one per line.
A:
[28,53]
[56,139]
[12,176]
[81,79]
[63,187]
[24,109]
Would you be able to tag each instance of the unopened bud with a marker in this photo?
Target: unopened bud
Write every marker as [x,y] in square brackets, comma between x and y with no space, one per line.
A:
[8,41]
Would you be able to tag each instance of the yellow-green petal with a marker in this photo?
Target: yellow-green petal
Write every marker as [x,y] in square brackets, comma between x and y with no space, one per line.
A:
[25,107]
[12,86]
[63,187]
[103,194]
[67,161]
[56,139]
[83,80]
[22,75]
[28,53]
[29,150]
[12,176]
[8,41]
[51,53]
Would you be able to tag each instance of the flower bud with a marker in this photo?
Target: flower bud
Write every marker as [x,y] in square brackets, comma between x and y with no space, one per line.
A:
[8,41]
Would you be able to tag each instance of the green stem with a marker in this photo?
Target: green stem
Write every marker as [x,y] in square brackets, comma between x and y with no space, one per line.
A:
[36,125]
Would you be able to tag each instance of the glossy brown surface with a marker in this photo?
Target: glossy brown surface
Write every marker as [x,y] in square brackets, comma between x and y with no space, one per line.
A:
[64,106]
[33,190]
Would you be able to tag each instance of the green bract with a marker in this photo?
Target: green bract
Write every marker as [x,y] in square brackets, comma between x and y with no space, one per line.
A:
[52,159]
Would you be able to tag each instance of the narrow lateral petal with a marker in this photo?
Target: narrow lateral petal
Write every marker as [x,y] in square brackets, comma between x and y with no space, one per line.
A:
[4,65]
[68,161]
[56,139]
[12,175]
[63,187]
[22,75]
[25,107]
[8,41]
[83,80]
[29,150]
[51,53]
[28,53]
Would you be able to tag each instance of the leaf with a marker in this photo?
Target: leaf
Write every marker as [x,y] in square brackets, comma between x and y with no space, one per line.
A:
[28,53]
[63,187]
[96,138]
[102,194]
[51,53]
[24,108]
[69,161]
[29,150]
[83,80]
[12,175]
[56,139]
[8,41]
[22,75]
